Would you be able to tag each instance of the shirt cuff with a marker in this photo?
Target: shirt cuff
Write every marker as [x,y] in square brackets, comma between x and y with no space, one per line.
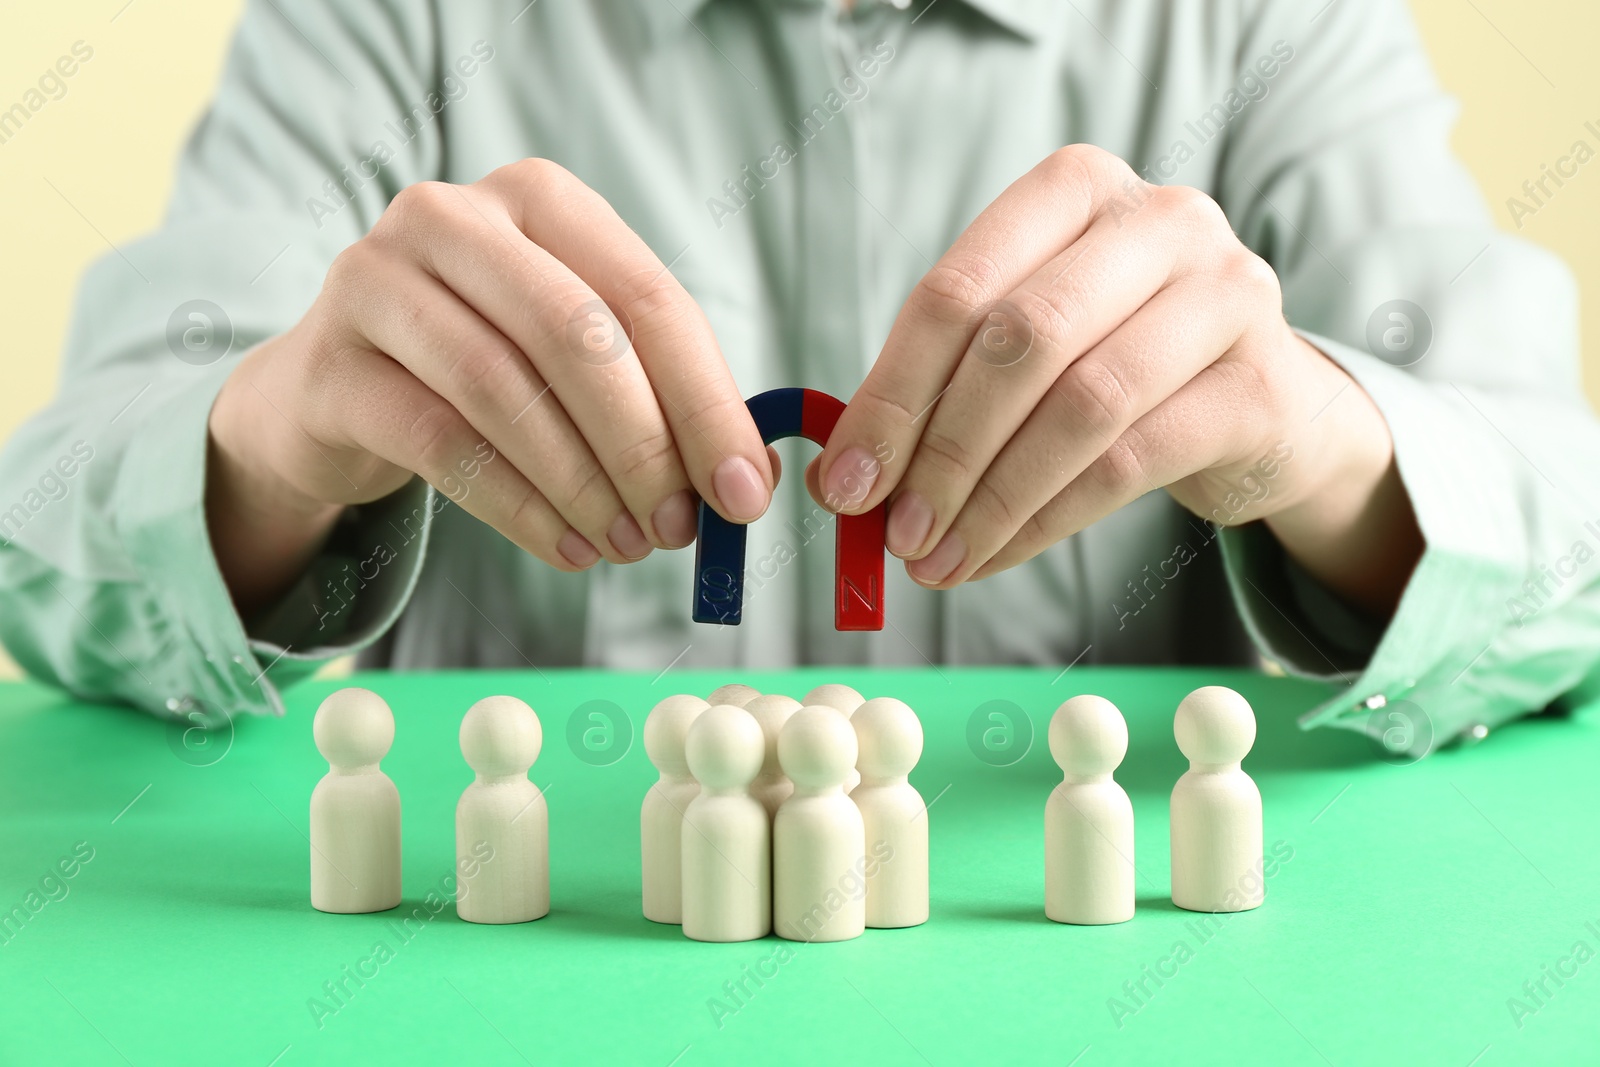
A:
[1452,606]
[213,666]
[359,583]
[1295,620]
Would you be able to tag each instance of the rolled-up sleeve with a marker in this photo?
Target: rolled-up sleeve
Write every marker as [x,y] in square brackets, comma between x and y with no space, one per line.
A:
[108,585]
[1345,181]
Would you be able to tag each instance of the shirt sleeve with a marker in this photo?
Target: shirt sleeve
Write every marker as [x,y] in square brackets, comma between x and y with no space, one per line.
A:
[108,585]
[1466,339]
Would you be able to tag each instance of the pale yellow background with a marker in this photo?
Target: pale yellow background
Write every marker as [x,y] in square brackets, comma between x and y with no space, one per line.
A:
[1523,70]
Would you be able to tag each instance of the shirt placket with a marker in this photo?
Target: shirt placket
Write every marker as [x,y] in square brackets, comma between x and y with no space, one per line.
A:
[840,236]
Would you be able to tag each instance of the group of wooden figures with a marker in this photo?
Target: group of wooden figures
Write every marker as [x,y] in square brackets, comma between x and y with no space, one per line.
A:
[794,817]
[765,809]
[776,815]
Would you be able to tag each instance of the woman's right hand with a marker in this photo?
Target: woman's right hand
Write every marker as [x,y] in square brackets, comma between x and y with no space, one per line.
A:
[518,347]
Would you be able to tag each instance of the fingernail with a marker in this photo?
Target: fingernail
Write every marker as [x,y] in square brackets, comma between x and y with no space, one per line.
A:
[676,519]
[937,565]
[740,489]
[626,537]
[850,479]
[576,550]
[910,519]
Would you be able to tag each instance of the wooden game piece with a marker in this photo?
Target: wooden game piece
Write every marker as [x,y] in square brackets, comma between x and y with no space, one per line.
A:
[843,699]
[727,838]
[836,696]
[355,808]
[889,743]
[502,822]
[771,786]
[719,547]
[1088,820]
[1216,807]
[666,730]
[735,693]
[818,839]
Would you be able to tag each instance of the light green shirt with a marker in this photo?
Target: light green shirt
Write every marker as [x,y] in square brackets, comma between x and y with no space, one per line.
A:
[800,168]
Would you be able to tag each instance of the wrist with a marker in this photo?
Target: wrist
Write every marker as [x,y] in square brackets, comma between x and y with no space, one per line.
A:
[264,529]
[1352,526]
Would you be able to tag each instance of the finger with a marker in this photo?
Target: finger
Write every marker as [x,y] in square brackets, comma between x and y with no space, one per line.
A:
[1206,424]
[449,348]
[1071,304]
[1147,359]
[465,239]
[381,408]
[1041,213]
[718,440]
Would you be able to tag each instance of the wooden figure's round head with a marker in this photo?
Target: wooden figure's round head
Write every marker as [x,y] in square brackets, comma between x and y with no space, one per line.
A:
[735,693]
[353,728]
[666,729]
[817,748]
[725,747]
[888,738]
[1214,725]
[500,736]
[836,696]
[1088,735]
[771,711]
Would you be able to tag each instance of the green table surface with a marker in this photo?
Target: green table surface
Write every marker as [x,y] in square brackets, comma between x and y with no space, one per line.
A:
[1418,900]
